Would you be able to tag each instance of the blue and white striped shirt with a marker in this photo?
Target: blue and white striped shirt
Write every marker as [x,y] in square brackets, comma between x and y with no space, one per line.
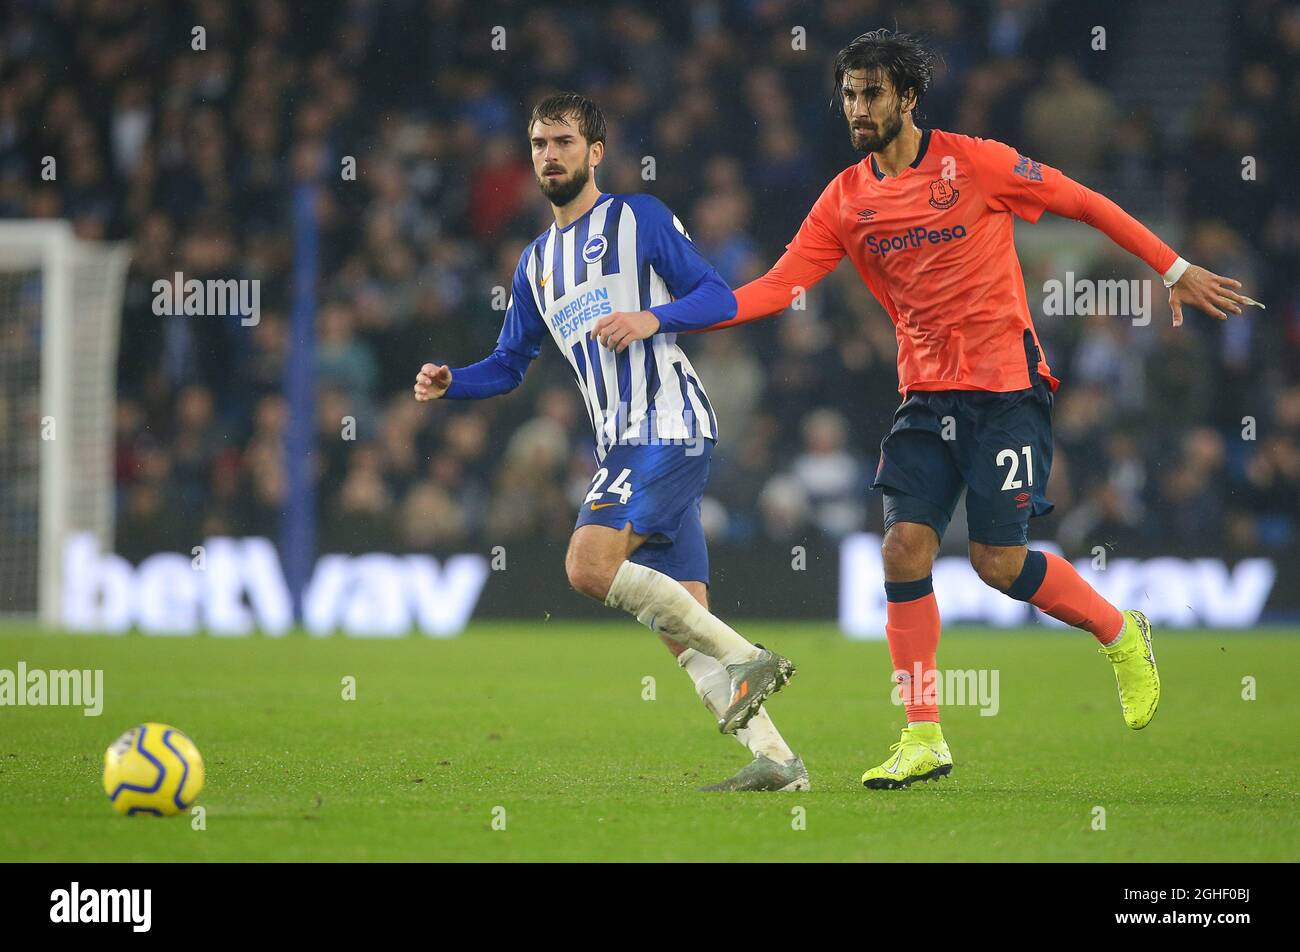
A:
[629,253]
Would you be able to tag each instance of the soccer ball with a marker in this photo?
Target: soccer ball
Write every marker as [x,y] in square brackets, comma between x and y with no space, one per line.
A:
[154,769]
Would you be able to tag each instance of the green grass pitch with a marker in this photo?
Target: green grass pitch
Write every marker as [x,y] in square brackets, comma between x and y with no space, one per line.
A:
[548,722]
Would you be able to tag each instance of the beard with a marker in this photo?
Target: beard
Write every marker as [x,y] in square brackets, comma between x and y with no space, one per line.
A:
[885,133]
[563,191]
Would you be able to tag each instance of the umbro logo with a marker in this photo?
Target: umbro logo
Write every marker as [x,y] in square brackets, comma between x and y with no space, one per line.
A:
[867,214]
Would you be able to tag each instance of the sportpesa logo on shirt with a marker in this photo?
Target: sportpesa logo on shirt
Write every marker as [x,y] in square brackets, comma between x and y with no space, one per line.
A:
[913,239]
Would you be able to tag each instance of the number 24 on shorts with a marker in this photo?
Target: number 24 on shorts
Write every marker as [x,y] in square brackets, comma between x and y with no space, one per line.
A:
[620,487]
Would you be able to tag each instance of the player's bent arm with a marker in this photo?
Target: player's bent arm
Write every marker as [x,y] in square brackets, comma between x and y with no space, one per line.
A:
[498,373]
[774,291]
[517,346]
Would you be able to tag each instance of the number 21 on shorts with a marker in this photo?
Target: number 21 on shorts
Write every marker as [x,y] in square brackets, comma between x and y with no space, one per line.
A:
[619,487]
[1011,457]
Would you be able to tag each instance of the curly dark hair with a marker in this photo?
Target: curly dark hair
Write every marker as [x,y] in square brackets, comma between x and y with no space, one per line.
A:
[902,57]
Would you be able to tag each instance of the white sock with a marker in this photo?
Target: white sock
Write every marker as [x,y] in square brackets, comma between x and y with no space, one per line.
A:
[713,685]
[665,606]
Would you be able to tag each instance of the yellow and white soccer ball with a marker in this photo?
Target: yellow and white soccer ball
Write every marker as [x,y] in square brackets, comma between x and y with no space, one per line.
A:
[153,769]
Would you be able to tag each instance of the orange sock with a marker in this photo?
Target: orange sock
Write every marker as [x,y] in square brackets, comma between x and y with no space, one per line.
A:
[1051,584]
[912,626]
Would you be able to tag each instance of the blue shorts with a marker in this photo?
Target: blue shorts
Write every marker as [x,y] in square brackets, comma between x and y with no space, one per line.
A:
[658,488]
[996,445]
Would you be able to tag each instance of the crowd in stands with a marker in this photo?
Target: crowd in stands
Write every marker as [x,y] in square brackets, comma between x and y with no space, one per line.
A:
[1167,438]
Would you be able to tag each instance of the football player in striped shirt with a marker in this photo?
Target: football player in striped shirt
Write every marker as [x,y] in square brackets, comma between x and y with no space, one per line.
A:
[612,282]
[927,219]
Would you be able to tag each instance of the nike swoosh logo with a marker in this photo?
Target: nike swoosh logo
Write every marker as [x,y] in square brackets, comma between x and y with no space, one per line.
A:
[601,505]
[547,278]
[893,768]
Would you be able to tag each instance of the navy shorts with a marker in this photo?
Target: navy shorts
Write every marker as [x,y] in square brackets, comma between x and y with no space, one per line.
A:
[656,487]
[996,445]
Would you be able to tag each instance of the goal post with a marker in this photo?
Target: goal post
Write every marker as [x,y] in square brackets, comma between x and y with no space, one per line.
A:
[60,315]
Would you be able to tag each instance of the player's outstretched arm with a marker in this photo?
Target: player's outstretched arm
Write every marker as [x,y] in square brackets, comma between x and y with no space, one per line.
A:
[1018,184]
[704,301]
[708,301]
[775,291]
[814,252]
[1187,283]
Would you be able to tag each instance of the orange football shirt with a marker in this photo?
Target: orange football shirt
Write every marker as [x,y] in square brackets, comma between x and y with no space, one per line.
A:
[935,244]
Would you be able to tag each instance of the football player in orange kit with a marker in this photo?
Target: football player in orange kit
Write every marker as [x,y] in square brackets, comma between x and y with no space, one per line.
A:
[927,219]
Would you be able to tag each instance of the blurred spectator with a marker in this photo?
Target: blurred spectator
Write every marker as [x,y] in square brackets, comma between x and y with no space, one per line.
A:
[1068,120]
[831,478]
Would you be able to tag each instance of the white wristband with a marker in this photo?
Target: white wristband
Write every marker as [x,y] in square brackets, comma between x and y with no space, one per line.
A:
[1175,272]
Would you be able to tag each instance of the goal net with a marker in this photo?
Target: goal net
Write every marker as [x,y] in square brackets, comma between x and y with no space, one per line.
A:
[60,311]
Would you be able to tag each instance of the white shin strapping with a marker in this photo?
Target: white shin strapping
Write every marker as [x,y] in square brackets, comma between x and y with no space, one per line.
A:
[713,685]
[665,606]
